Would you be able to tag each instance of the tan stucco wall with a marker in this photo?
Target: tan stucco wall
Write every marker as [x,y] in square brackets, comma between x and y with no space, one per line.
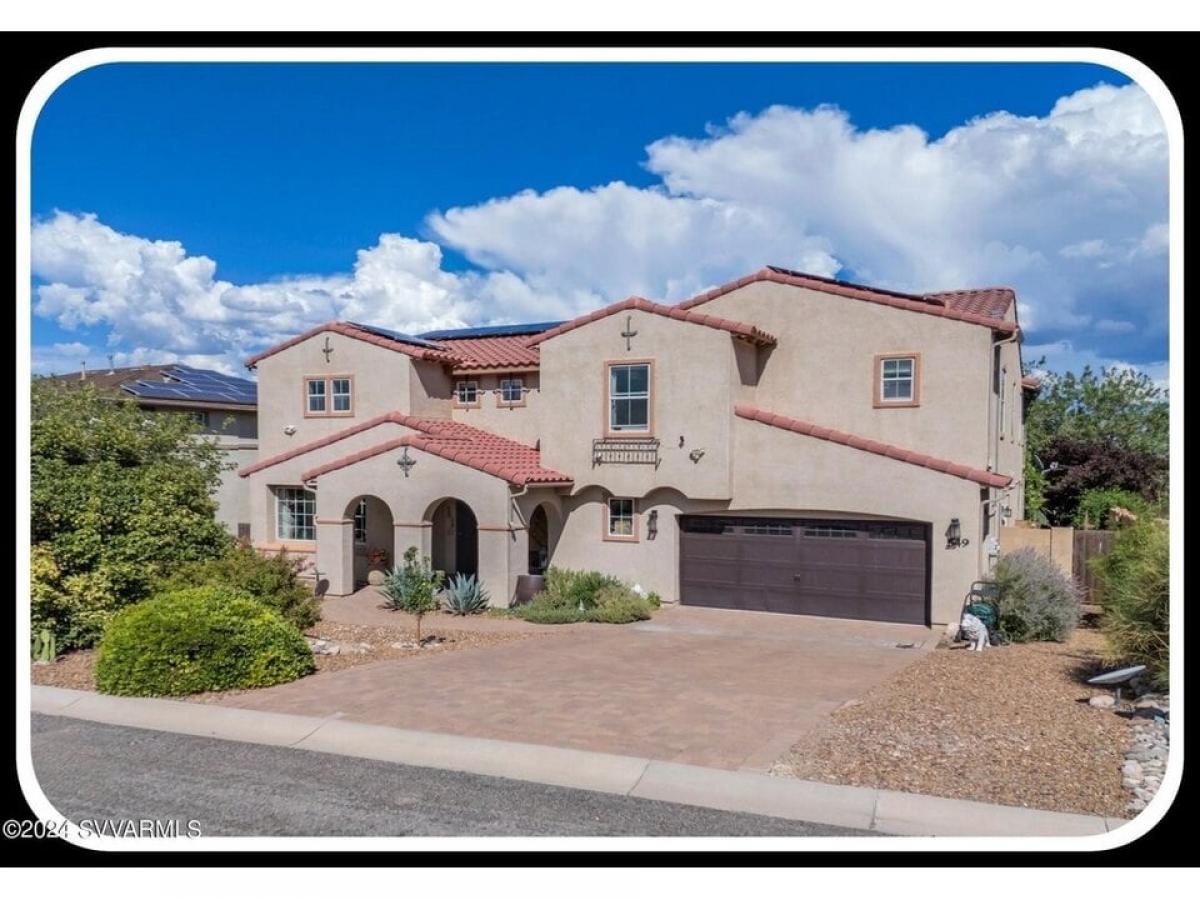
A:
[232,494]
[823,369]
[520,423]
[692,398]
[381,384]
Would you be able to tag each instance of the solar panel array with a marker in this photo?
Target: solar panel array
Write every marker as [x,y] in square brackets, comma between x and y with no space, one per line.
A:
[196,385]
[398,336]
[451,334]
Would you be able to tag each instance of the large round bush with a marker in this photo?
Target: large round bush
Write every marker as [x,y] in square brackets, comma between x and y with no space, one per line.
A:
[199,639]
[1037,602]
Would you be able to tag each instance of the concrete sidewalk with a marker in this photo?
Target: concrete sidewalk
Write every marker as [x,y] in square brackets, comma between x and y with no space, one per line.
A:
[885,812]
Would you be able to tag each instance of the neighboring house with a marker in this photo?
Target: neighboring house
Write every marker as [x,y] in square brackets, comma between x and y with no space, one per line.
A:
[784,442]
[224,406]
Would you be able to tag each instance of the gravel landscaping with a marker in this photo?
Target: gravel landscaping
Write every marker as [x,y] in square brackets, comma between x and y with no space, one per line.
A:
[1011,725]
[338,646]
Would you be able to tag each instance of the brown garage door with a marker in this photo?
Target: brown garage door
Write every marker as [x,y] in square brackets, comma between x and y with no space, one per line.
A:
[817,567]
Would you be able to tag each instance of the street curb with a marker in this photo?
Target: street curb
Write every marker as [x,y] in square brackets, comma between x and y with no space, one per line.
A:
[869,809]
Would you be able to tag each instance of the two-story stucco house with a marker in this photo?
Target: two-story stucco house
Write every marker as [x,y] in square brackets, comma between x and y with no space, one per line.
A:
[785,443]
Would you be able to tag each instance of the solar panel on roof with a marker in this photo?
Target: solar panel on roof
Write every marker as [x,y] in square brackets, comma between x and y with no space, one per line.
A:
[197,385]
[398,336]
[450,334]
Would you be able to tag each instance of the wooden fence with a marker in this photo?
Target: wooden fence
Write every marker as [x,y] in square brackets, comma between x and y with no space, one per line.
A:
[1089,545]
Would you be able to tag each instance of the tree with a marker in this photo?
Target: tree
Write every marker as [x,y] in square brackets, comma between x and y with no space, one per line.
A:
[117,496]
[1076,466]
[413,587]
[1110,425]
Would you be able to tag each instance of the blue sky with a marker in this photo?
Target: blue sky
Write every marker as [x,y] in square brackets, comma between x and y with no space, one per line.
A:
[198,212]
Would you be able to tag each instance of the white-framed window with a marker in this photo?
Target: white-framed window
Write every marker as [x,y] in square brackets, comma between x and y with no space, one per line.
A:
[512,391]
[341,389]
[629,397]
[360,521]
[295,514]
[466,393]
[315,389]
[898,379]
[621,523]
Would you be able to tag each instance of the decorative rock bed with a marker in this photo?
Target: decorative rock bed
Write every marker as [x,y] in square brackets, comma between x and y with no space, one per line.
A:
[1146,759]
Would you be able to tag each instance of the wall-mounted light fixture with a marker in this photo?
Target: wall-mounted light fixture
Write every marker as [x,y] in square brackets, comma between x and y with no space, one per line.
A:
[289,430]
[652,525]
[954,536]
[696,455]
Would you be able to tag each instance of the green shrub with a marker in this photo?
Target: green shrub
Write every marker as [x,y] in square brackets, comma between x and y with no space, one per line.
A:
[1135,597]
[271,580]
[465,595]
[1095,503]
[586,597]
[412,587]
[75,608]
[1037,602]
[199,639]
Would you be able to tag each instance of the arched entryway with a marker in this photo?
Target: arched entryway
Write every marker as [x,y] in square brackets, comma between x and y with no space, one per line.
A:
[541,539]
[374,538]
[454,542]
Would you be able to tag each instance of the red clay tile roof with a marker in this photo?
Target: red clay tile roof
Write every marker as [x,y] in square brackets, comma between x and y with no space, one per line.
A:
[989,479]
[508,352]
[469,446]
[465,444]
[417,351]
[992,303]
[930,304]
[1031,383]
[738,329]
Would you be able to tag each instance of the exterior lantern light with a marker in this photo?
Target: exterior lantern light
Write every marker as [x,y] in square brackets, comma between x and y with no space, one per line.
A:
[954,536]
[652,525]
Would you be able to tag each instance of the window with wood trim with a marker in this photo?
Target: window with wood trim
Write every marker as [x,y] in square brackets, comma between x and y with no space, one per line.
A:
[629,389]
[898,380]
[466,393]
[295,514]
[328,395]
[621,523]
[512,391]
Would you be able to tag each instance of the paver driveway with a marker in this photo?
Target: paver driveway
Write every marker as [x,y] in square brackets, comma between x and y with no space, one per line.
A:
[710,687]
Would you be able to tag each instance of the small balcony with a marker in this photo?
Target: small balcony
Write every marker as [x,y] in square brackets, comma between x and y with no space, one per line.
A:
[631,451]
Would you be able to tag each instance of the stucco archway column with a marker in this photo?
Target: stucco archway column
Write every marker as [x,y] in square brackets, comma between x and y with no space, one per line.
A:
[503,555]
[335,555]
[412,534]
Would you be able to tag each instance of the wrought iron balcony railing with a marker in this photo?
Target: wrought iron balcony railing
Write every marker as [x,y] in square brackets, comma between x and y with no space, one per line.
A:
[625,451]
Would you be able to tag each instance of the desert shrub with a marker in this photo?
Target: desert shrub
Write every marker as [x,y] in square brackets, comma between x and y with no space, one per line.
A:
[199,639]
[465,595]
[1135,595]
[1037,602]
[586,597]
[1095,503]
[412,587]
[272,580]
[75,608]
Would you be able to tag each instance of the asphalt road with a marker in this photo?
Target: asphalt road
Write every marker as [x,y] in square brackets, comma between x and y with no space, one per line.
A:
[94,771]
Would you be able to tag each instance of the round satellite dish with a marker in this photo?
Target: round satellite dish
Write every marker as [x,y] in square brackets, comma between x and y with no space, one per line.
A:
[1119,676]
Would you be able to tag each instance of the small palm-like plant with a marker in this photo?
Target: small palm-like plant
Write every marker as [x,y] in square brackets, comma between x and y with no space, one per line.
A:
[465,595]
[412,587]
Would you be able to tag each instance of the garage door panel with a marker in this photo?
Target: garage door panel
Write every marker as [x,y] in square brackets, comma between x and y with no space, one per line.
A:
[849,569]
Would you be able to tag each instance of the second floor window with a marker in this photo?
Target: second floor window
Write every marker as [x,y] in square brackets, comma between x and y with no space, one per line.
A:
[629,397]
[896,380]
[332,396]
[512,391]
[466,393]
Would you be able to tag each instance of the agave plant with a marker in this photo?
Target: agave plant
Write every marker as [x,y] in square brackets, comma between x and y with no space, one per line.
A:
[465,595]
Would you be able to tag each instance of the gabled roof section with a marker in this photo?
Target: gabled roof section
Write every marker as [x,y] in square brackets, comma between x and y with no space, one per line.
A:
[980,476]
[962,306]
[992,303]
[415,347]
[740,330]
[464,444]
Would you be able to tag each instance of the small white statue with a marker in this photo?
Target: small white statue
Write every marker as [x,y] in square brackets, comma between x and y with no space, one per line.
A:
[975,631]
